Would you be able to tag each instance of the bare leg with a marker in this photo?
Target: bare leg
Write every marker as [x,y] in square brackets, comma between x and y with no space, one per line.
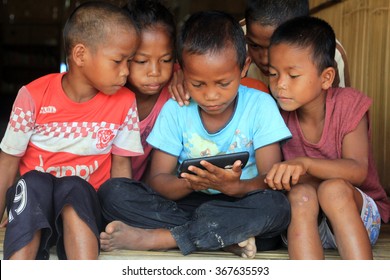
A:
[302,234]
[79,240]
[28,252]
[342,204]
[245,249]
[118,236]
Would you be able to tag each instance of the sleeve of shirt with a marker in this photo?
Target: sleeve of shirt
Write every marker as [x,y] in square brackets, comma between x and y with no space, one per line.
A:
[353,105]
[128,140]
[21,124]
[167,134]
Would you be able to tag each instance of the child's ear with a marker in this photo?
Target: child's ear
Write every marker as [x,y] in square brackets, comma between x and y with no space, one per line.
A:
[78,54]
[246,67]
[328,76]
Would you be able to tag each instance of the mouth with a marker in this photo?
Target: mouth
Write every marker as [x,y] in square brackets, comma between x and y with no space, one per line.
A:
[211,108]
[153,86]
[283,99]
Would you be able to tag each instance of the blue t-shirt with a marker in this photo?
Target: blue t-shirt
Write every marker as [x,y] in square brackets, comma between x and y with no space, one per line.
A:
[256,123]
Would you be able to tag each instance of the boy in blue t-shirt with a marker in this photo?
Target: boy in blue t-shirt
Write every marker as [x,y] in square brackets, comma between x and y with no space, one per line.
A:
[215,208]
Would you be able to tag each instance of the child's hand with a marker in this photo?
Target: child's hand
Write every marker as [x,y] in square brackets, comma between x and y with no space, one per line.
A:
[284,175]
[177,90]
[224,180]
[4,222]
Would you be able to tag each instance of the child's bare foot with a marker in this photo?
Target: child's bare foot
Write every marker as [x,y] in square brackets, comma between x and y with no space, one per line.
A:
[245,249]
[119,236]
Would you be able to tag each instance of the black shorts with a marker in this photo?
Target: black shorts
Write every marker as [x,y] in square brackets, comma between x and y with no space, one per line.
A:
[35,203]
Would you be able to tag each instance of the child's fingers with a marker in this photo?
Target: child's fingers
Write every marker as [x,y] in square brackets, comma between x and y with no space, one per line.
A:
[295,176]
[269,178]
[181,90]
[286,179]
[177,90]
[237,166]
[174,91]
[4,223]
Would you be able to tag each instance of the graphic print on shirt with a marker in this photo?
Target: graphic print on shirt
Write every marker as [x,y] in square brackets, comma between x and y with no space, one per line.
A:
[104,137]
[82,170]
[241,142]
[197,146]
[20,197]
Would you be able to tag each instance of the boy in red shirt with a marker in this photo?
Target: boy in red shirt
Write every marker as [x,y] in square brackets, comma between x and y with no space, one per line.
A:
[68,133]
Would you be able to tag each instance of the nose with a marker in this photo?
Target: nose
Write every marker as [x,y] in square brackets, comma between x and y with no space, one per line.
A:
[125,70]
[281,83]
[154,70]
[211,95]
[264,56]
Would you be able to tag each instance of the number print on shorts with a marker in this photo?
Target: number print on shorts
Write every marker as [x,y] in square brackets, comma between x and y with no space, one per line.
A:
[20,197]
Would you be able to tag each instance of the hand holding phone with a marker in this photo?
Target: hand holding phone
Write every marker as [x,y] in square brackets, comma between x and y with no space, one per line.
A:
[225,161]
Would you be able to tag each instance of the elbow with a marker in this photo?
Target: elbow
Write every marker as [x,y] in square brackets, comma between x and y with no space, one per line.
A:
[360,174]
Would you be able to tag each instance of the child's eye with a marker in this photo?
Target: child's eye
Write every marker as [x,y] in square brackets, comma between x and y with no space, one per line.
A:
[167,60]
[294,76]
[196,85]
[139,61]
[272,74]
[253,46]
[225,84]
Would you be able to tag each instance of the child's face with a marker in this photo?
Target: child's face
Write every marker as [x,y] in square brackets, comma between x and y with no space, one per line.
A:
[294,78]
[151,67]
[258,39]
[106,68]
[212,79]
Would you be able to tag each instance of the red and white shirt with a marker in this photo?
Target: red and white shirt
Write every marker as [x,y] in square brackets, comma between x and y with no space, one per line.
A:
[54,134]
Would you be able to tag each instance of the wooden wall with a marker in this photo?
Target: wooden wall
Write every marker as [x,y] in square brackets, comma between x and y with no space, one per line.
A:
[363,28]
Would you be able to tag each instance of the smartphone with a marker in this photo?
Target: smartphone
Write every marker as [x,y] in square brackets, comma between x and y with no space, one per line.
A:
[223,161]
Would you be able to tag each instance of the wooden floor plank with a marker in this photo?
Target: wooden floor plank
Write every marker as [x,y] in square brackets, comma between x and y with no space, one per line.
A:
[381,251]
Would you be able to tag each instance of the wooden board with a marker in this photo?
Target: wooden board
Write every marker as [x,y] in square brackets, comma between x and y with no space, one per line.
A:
[381,251]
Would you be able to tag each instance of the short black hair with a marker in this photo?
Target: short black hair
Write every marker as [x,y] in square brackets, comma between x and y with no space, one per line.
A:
[309,32]
[211,31]
[149,13]
[274,12]
[91,22]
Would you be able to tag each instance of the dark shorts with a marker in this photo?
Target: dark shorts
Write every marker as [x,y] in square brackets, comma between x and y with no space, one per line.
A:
[198,221]
[35,203]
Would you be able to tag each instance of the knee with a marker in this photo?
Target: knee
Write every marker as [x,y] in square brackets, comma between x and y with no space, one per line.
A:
[274,203]
[303,197]
[75,185]
[35,182]
[280,199]
[283,209]
[110,191]
[116,191]
[335,193]
[35,178]
[304,202]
